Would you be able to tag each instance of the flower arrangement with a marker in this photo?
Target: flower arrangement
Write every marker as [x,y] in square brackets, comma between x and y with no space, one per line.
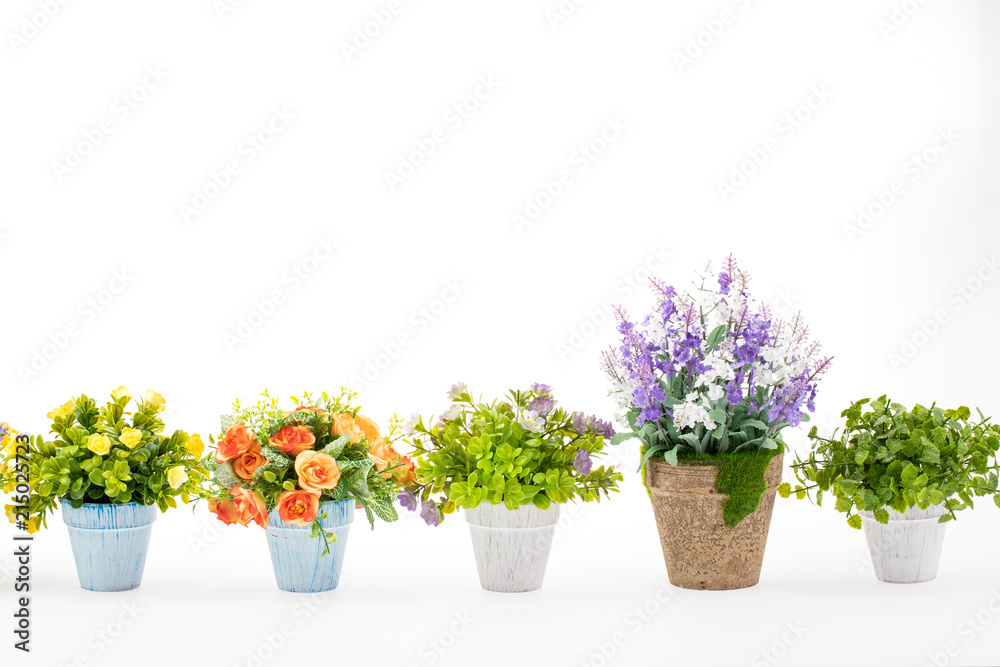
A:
[524,450]
[891,457]
[270,459]
[708,373]
[108,455]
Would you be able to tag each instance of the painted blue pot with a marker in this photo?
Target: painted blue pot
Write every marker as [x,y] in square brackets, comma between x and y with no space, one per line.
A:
[298,566]
[109,543]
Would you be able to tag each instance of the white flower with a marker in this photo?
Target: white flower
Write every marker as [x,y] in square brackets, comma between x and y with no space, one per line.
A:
[532,421]
[715,392]
[690,414]
[454,412]
[457,390]
[410,424]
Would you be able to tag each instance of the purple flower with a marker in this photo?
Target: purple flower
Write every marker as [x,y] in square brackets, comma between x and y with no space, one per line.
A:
[430,513]
[584,424]
[580,423]
[407,500]
[541,389]
[582,462]
[541,405]
[724,281]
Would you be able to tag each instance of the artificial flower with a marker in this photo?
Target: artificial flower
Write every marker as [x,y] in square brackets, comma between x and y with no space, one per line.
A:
[156,400]
[194,445]
[532,421]
[298,507]
[317,471]
[457,390]
[63,411]
[99,444]
[345,424]
[130,437]
[120,393]
[237,440]
[367,427]
[176,476]
[293,439]
[249,507]
[225,510]
[383,455]
[246,463]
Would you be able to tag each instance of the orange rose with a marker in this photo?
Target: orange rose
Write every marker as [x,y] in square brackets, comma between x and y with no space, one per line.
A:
[249,507]
[367,427]
[293,439]
[384,455]
[245,464]
[344,424]
[404,473]
[225,510]
[298,507]
[317,471]
[238,439]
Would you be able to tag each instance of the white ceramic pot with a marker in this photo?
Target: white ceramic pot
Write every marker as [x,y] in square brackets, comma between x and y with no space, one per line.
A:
[512,546]
[907,550]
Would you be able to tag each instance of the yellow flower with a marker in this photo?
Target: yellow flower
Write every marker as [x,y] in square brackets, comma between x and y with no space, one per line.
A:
[9,511]
[34,523]
[155,399]
[64,410]
[120,393]
[130,437]
[177,476]
[99,444]
[195,445]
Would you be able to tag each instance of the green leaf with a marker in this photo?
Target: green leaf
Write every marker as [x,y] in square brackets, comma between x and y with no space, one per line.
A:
[619,438]
[336,448]
[715,338]
[854,521]
[881,515]
[784,489]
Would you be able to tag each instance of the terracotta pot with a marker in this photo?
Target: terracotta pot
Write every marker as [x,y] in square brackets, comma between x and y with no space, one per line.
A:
[701,552]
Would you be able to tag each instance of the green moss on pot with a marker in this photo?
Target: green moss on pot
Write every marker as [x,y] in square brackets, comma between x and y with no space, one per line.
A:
[740,479]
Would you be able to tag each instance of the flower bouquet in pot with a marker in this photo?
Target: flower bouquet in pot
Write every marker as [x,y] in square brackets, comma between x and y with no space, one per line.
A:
[509,464]
[110,469]
[300,475]
[902,474]
[707,381]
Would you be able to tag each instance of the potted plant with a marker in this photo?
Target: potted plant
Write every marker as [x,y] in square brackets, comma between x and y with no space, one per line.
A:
[707,381]
[902,475]
[300,475]
[109,469]
[509,464]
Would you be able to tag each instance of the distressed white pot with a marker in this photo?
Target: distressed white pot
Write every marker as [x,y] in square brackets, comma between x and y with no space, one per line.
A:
[512,546]
[907,550]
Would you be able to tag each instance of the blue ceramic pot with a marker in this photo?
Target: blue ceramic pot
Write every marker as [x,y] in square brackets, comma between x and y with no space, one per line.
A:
[110,543]
[298,566]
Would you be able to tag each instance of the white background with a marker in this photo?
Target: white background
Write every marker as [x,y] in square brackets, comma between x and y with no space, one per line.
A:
[530,301]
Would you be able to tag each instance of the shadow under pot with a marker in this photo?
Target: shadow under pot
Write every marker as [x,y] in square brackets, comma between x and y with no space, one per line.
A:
[703,550]
[907,550]
[110,543]
[512,546]
[296,557]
